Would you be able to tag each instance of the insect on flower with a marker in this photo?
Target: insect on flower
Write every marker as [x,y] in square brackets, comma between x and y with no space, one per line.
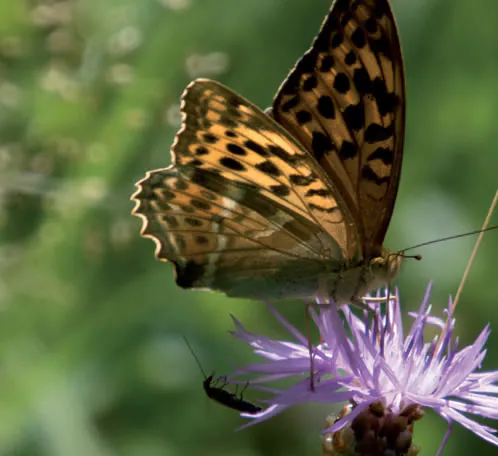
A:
[386,378]
[220,394]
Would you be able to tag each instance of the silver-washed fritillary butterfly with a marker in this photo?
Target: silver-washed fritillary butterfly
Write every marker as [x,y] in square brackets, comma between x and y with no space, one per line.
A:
[276,204]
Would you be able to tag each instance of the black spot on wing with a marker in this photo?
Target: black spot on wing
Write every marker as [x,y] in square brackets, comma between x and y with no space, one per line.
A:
[187,209]
[228,122]
[326,107]
[320,144]
[317,192]
[350,58]
[255,147]
[283,154]
[201,240]
[303,117]
[369,174]
[347,150]
[386,101]
[194,163]
[310,83]
[268,168]
[327,64]
[382,153]
[298,179]
[236,150]
[188,274]
[201,151]
[193,221]
[170,220]
[358,38]
[341,83]
[362,81]
[336,40]
[381,46]
[354,116]
[280,190]
[210,138]
[290,104]
[371,25]
[375,133]
[234,102]
[202,205]
[232,164]
[308,62]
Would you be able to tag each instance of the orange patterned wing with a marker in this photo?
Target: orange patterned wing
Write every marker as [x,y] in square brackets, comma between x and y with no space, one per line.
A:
[244,209]
[345,102]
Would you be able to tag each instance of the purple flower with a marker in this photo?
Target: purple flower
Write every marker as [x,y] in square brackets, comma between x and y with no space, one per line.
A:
[386,377]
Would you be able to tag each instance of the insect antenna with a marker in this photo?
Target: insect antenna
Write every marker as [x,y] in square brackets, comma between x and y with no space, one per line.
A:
[195,357]
[456,236]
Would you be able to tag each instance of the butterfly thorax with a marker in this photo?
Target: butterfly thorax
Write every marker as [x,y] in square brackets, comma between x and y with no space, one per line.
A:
[357,279]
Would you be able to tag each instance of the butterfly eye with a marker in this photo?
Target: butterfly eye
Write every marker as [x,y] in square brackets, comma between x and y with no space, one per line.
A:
[378,263]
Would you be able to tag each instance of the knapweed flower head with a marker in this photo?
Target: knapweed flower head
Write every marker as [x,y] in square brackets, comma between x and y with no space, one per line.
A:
[385,377]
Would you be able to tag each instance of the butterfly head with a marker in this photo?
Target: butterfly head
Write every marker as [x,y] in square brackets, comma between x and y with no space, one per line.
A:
[386,266]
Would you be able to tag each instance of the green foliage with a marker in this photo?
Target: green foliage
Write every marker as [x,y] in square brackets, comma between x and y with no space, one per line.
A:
[91,351]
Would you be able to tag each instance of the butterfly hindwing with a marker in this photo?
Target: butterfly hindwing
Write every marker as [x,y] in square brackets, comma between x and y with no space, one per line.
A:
[345,102]
[244,206]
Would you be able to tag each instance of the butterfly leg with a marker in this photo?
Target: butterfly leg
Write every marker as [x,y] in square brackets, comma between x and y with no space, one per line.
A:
[325,294]
[310,345]
[363,301]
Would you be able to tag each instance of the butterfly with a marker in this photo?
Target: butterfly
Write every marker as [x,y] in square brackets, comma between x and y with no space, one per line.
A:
[277,204]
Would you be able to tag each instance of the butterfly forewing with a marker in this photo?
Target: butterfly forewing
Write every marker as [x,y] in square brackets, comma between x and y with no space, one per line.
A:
[245,146]
[345,102]
[244,206]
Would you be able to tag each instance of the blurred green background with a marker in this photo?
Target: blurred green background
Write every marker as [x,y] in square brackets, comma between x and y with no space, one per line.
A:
[91,325]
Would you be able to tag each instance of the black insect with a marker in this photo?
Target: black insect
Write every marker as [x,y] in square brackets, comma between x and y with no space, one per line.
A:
[224,397]
[220,394]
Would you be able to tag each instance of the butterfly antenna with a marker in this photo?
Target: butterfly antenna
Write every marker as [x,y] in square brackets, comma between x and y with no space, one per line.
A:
[401,253]
[456,236]
[195,357]
[415,257]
